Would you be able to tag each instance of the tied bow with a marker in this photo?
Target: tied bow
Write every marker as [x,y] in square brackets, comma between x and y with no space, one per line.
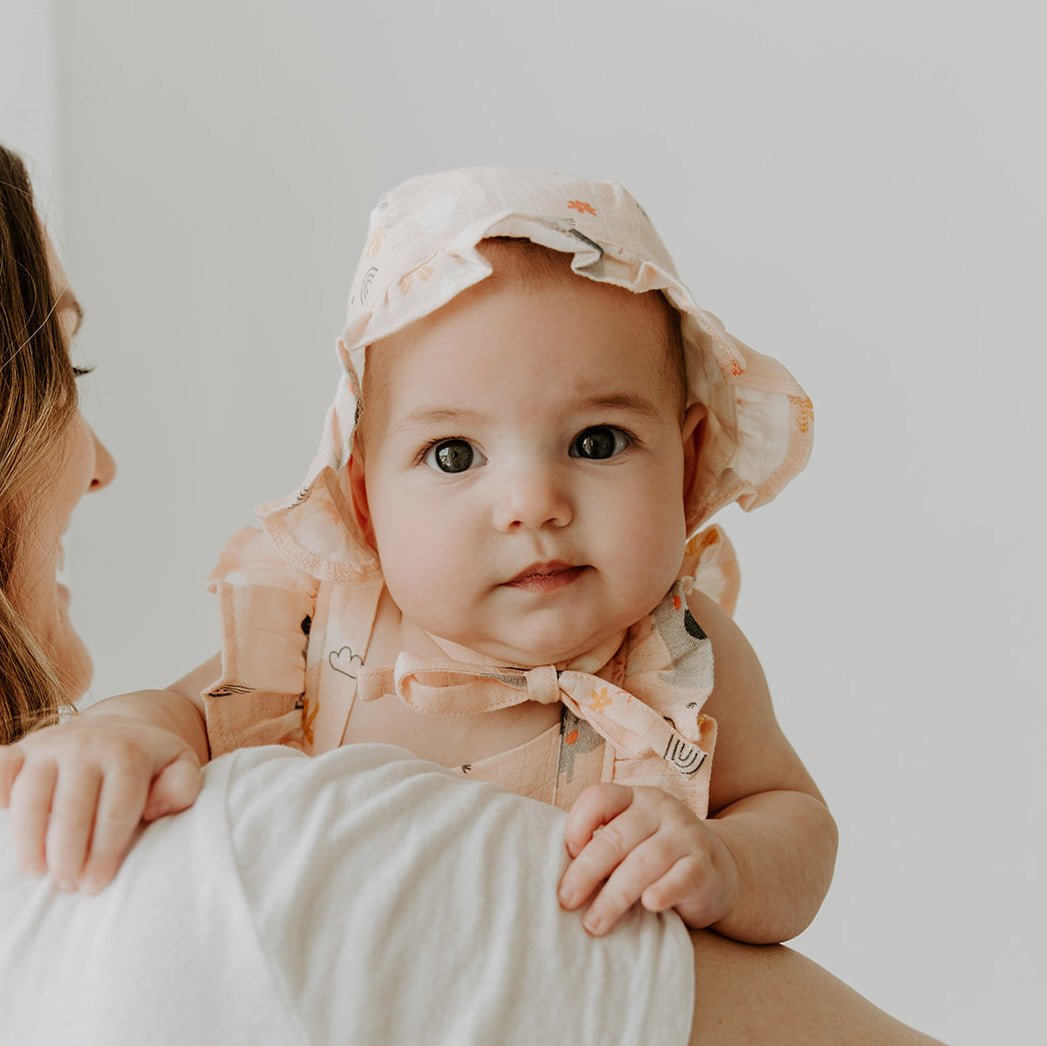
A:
[444,687]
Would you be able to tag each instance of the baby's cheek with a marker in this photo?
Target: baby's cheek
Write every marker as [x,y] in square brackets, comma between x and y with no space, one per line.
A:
[656,555]
[655,523]
[425,574]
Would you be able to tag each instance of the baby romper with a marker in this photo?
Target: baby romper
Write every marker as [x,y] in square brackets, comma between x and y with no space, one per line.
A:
[294,651]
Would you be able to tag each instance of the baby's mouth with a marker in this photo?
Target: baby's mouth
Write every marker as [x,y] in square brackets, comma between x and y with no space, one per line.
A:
[546,577]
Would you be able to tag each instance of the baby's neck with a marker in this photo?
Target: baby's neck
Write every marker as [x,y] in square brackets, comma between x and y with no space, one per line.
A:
[411,637]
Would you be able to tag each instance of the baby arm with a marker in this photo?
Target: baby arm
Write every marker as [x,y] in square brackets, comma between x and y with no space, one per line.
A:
[757,869]
[78,790]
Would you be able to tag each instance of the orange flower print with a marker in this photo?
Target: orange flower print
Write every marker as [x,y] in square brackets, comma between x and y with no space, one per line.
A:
[736,367]
[677,601]
[600,700]
[581,207]
[571,737]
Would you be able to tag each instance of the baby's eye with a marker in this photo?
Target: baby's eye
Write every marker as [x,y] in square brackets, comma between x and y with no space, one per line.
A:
[452,456]
[599,442]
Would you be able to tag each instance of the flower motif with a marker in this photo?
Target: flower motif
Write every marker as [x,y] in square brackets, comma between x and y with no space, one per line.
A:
[600,700]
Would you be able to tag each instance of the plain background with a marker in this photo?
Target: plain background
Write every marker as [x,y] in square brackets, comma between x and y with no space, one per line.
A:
[855,189]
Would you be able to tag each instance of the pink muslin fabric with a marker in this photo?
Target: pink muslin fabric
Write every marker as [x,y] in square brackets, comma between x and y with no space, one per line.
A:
[421,252]
[295,661]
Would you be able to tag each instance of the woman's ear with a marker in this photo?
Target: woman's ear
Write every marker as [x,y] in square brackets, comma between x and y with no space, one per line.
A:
[691,432]
[358,496]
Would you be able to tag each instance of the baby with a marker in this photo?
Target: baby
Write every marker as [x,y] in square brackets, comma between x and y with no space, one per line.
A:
[488,564]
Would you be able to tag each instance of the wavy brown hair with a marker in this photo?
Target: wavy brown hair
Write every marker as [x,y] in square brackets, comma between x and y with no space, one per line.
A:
[37,405]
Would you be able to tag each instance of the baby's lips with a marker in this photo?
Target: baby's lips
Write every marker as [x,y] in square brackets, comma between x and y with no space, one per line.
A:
[541,570]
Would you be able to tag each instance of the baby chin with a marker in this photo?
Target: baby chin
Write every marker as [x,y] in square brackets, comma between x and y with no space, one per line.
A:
[546,637]
[548,615]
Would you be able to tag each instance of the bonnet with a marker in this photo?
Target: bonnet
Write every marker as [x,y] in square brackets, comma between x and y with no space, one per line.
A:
[421,252]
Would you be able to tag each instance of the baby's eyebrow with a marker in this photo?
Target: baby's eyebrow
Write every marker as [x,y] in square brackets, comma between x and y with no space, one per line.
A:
[435,416]
[619,401]
[626,401]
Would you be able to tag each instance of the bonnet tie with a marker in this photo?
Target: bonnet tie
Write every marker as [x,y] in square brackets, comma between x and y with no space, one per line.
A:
[455,688]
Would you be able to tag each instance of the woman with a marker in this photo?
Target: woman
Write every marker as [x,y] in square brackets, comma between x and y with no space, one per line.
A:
[216,930]
[50,459]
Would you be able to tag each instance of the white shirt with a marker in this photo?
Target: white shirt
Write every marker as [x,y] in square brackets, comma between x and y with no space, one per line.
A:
[362,896]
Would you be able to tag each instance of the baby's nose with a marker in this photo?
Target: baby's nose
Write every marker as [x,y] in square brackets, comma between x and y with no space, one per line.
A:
[533,498]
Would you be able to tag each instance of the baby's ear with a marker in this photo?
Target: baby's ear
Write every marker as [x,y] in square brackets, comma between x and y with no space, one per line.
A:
[358,496]
[692,432]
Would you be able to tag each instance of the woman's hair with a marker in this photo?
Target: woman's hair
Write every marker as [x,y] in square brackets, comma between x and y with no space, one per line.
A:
[37,404]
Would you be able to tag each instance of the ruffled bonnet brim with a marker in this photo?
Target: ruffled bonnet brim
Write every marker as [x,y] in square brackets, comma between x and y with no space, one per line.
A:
[421,252]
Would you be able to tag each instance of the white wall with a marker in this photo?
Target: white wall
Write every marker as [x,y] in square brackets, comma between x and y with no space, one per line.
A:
[856,189]
[29,94]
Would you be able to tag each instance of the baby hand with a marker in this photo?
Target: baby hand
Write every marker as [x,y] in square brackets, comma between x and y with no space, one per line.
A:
[78,791]
[649,847]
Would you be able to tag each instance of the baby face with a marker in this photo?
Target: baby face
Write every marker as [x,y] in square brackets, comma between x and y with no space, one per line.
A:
[524,465]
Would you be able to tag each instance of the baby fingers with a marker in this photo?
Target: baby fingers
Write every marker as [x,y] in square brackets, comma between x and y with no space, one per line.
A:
[640,844]
[175,788]
[30,801]
[118,814]
[643,866]
[72,819]
[11,759]
[594,808]
[602,828]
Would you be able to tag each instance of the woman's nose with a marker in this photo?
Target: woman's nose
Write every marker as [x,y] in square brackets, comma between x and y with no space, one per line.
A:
[532,498]
[105,466]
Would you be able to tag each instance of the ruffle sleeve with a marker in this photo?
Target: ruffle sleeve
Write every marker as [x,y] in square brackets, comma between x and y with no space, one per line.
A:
[265,610]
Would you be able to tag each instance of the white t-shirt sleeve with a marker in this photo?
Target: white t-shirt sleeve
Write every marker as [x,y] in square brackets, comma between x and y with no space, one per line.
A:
[360,896]
[166,954]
